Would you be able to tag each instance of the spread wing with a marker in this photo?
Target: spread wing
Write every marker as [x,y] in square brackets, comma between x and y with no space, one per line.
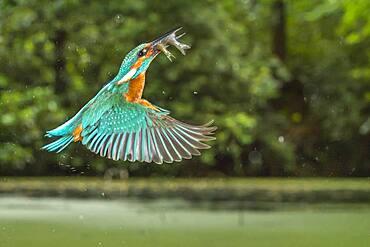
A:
[121,130]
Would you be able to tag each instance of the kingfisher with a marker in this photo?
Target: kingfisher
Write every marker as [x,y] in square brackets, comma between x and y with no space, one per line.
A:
[117,123]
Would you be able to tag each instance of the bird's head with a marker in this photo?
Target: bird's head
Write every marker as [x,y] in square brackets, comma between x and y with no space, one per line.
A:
[138,59]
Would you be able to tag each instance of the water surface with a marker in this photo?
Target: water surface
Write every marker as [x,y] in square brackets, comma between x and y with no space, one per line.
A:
[70,222]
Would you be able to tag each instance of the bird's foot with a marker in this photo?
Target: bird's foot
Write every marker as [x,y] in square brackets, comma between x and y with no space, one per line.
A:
[77,133]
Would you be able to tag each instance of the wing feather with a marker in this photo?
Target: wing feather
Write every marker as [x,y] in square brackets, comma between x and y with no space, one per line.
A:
[179,146]
[171,147]
[162,148]
[110,153]
[96,143]
[90,136]
[121,145]
[101,145]
[92,141]
[186,143]
[148,146]
[122,148]
[129,131]
[127,147]
[116,146]
[157,156]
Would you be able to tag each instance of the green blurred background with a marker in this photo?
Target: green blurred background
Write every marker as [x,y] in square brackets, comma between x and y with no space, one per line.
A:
[287,82]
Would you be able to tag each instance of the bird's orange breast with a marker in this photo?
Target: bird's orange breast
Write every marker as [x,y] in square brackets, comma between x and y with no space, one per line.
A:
[135,88]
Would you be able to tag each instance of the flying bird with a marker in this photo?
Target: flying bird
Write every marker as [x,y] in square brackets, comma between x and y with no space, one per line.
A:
[119,124]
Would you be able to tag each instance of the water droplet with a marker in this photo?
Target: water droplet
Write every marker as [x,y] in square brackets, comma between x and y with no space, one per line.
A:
[281,139]
[118,19]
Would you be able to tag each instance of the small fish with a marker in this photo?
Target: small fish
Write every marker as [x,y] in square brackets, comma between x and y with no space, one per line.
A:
[171,38]
[163,48]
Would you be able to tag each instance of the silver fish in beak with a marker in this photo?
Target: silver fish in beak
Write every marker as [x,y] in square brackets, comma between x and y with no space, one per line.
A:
[170,38]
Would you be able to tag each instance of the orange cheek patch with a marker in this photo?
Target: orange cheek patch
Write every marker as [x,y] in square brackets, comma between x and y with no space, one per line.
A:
[149,53]
[138,63]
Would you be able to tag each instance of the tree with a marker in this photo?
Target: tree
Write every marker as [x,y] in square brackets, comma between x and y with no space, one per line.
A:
[300,108]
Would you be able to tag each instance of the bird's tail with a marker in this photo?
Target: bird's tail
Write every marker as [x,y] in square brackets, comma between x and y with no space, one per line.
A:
[65,134]
[59,144]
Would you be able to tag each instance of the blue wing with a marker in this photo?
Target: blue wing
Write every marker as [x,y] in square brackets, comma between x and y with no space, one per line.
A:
[128,131]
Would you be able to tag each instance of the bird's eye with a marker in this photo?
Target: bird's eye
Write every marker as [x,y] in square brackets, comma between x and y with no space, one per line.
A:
[142,52]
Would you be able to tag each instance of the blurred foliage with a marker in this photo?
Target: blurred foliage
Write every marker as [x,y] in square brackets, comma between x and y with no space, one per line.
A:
[305,115]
